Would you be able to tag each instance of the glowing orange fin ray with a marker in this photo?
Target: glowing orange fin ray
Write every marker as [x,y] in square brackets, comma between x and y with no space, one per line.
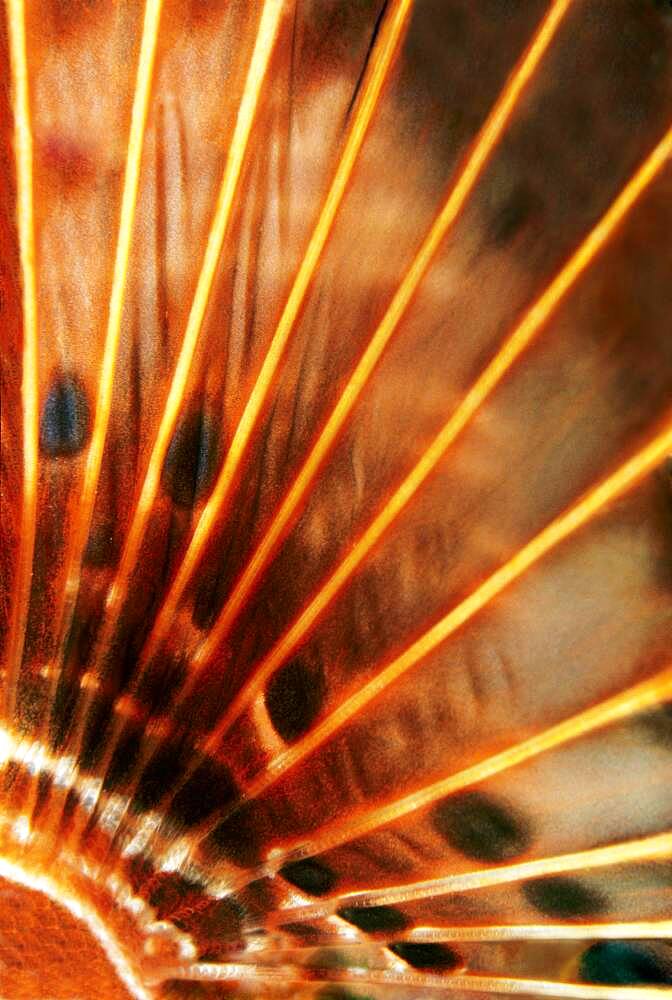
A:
[557,531]
[23,146]
[613,930]
[634,700]
[534,319]
[381,62]
[544,987]
[639,698]
[458,193]
[78,539]
[445,985]
[94,458]
[661,929]
[265,41]
[650,692]
[655,848]
[460,190]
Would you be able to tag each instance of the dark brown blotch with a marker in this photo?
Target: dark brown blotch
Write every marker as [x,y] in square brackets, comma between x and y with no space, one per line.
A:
[294,697]
[191,460]
[310,876]
[170,892]
[512,213]
[481,827]
[657,724]
[374,919]
[627,963]
[124,758]
[210,788]
[236,839]
[65,419]
[565,898]
[214,924]
[160,682]
[163,772]
[427,956]
[339,993]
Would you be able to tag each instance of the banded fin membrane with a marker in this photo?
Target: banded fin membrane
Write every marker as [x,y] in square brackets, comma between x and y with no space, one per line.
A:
[336,607]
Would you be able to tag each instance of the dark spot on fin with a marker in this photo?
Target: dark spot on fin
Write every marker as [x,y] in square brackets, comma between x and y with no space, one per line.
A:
[374,918]
[477,825]
[210,787]
[124,758]
[67,692]
[69,806]
[657,723]
[95,732]
[159,683]
[309,876]
[626,963]
[162,773]
[426,956]
[294,698]
[64,424]
[13,772]
[511,214]
[191,460]
[236,838]
[44,783]
[307,932]
[664,6]
[69,161]
[563,897]
[180,989]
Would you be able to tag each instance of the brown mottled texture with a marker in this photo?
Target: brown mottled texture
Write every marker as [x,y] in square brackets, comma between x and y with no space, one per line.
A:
[262,801]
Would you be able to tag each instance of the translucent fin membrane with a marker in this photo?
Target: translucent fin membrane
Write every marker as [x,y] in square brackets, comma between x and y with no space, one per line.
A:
[575,518]
[266,37]
[141,101]
[459,191]
[556,532]
[379,68]
[638,699]
[489,379]
[336,446]
[380,65]
[483,147]
[656,847]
